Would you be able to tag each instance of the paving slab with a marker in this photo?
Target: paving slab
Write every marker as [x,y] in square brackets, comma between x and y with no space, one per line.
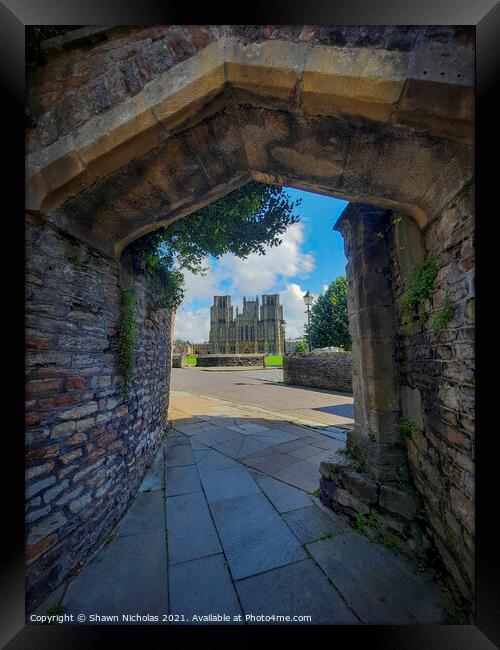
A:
[323,442]
[301,474]
[202,587]
[271,463]
[129,576]
[191,532]
[213,460]
[230,448]
[146,514]
[173,439]
[305,452]
[380,587]
[299,589]
[255,538]
[154,476]
[310,524]
[182,480]
[180,455]
[229,483]
[250,446]
[284,497]
[275,436]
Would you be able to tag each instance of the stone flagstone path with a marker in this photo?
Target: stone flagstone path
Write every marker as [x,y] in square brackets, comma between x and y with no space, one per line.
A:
[225,523]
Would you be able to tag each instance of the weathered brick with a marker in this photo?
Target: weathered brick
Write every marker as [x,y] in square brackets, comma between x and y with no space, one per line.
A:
[79,411]
[38,470]
[38,386]
[51,451]
[34,488]
[37,549]
[75,383]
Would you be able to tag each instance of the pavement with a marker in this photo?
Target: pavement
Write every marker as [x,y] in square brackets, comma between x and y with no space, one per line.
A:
[226,529]
[264,387]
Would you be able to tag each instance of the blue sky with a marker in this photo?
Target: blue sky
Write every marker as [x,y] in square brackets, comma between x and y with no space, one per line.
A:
[310,257]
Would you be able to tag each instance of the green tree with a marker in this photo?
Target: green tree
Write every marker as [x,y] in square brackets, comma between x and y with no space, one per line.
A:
[301,347]
[329,321]
[242,222]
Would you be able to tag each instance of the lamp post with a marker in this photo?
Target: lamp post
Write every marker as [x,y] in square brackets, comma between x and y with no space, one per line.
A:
[308,299]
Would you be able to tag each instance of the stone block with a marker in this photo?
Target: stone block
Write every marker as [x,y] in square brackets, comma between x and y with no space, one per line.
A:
[399,501]
[360,485]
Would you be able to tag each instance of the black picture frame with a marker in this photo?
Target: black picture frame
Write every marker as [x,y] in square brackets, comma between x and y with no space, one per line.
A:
[485,16]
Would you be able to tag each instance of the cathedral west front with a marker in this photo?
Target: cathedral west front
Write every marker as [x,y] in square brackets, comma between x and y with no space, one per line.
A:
[257,329]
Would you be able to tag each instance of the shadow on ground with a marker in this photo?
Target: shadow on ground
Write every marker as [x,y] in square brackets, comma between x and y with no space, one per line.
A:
[226,523]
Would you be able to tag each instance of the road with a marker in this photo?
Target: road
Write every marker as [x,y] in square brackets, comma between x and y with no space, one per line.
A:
[264,388]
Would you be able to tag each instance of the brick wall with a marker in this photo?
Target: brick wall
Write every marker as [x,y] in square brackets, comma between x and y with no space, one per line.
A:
[329,370]
[438,373]
[87,446]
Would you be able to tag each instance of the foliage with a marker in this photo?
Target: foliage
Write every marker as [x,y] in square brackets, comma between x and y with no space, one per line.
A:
[420,285]
[191,359]
[443,316]
[126,337]
[389,541]
[359,524]
[329,321]
[410,428]
[354,454]
[242,222]
[302,347]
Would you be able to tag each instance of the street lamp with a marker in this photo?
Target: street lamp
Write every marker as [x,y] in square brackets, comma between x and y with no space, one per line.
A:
[308,299]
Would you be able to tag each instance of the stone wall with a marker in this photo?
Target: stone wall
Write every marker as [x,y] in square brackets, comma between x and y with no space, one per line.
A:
[208,360]
[413,485]
[87,446]
[179,360]
[437,376]
[328,370]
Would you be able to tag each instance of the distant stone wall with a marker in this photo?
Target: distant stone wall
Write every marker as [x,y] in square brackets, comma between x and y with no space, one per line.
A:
[179,360]
[87,446]
[209,360]
[328,370]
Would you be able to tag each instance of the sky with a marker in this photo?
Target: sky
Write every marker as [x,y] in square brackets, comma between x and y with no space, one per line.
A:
[310,257]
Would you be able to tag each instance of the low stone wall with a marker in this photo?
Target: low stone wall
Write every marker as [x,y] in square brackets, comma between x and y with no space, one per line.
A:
[211,360]
[87,444]
[327,370]
[179,360]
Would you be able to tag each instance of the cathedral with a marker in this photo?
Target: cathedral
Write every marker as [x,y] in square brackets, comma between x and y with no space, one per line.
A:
[252,331]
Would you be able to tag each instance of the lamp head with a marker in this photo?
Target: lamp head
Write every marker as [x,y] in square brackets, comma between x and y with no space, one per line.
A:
[308,299]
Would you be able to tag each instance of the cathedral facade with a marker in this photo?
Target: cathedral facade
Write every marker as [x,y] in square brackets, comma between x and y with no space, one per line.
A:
[257,329]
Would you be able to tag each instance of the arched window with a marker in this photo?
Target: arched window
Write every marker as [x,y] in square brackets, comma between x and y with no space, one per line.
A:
[246,332]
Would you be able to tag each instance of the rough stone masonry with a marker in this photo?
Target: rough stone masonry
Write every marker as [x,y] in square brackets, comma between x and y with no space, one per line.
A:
[327,370]
[87,447]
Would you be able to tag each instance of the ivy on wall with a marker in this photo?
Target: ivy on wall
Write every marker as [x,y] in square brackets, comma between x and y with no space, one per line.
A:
[443,316]
[420,285]
[126,337]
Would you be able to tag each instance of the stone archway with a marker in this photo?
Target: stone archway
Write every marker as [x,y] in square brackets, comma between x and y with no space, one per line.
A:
[385,120]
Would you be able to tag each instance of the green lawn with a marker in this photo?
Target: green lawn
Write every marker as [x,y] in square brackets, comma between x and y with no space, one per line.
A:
[276,360]
[191,359]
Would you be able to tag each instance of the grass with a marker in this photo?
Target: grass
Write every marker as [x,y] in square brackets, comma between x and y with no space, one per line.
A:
[274,360]
[191,359]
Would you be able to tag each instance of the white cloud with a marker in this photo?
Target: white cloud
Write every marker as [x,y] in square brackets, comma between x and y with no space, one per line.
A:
[260,273]
[255,275]
[294,309]
[192,325]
